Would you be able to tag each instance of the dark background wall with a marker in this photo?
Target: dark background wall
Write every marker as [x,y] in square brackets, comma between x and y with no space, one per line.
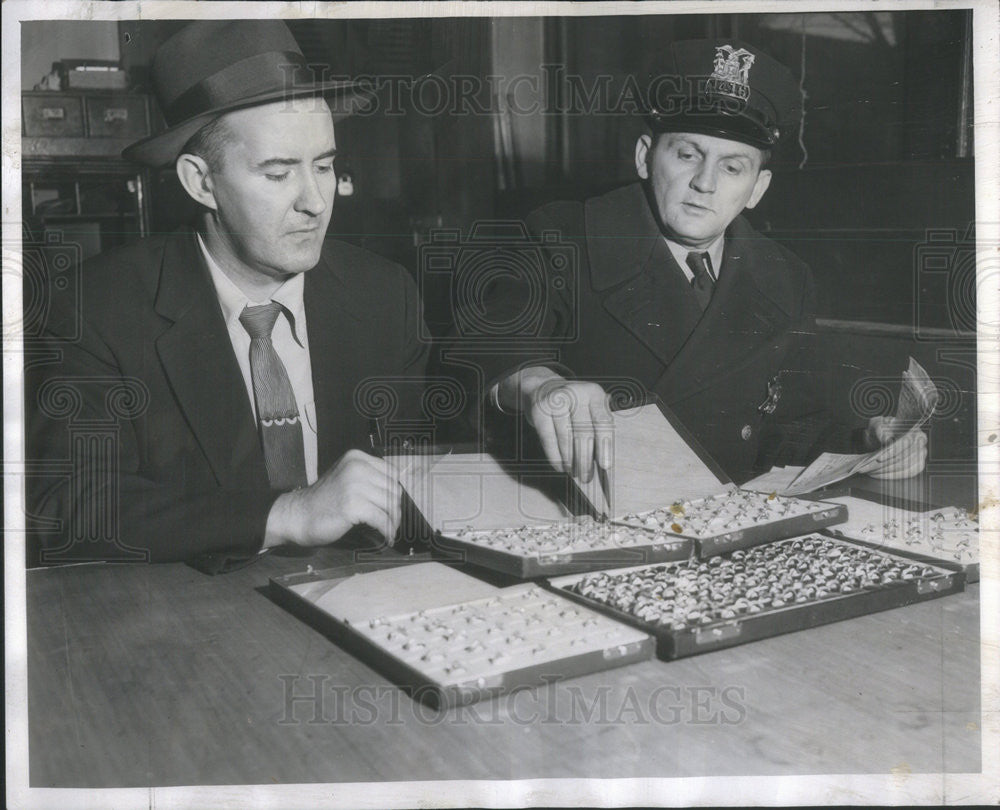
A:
[875,192]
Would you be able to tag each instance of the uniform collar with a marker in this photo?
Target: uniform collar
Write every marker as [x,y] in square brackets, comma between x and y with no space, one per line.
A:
[680,254]
[622,234]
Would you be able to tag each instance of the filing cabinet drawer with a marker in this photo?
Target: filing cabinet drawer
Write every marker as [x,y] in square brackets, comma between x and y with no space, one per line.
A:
[53,116]
[116,116]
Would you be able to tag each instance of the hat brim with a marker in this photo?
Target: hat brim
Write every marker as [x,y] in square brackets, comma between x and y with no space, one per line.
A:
[164,147]
[731,127]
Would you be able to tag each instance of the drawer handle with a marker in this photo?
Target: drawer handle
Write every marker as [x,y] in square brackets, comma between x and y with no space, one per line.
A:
[53,113]
[115,114]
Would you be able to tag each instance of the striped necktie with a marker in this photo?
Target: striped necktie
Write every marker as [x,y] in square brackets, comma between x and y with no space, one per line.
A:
[277,413]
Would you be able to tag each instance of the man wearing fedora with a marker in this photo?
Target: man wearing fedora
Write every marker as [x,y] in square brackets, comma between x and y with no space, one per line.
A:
[676,292]
[244,338]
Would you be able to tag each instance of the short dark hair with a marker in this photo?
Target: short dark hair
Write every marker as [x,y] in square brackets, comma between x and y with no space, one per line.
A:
[210,142]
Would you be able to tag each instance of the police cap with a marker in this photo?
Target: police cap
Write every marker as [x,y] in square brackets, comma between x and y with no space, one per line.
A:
[724,88]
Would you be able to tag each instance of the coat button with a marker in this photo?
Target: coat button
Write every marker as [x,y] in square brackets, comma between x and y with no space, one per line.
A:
[746,433]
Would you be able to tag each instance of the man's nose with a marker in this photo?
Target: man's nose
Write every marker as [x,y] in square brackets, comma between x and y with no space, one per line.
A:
[704,179]
[311,200]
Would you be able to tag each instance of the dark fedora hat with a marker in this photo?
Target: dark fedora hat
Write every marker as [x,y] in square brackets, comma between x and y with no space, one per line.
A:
[212,67]
[724,88]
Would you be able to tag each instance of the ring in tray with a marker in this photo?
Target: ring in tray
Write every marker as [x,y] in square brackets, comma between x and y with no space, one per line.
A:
[948,536]
[452,639]
[701,605]
[572,545]
[737,518]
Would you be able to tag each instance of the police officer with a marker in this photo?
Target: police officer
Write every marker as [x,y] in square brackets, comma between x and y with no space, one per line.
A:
[677,292]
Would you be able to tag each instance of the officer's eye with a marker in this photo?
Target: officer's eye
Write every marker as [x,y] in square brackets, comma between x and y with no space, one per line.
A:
[732,168]
[686,155]
[276,178]
[324,168]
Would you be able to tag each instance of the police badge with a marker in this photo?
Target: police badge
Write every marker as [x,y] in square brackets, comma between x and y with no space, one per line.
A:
[730,74]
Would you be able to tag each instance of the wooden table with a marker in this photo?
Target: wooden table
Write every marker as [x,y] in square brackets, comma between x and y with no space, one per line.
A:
[162,676]
[159,675]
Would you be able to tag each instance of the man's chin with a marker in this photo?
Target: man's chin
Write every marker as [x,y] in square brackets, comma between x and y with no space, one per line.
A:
[301,262]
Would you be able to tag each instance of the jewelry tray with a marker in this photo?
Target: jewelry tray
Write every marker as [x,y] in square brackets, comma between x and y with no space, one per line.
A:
[467,640]
[945,536]
[697,624]
[738,519]
[582,544]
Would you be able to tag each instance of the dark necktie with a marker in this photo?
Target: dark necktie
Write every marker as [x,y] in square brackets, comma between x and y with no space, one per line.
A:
[277,412]
[702,281]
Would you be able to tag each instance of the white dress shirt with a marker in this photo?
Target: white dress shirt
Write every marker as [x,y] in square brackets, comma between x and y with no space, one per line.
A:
[290,340]
[680,253]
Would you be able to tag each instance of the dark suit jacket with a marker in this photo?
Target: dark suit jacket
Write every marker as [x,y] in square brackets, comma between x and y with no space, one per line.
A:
[627,317]
[147,360]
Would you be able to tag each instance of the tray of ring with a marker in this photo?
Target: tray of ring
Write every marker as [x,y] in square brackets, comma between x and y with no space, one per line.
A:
[698,606]
[450,639]
[946,536]
[572,545]
[737,519]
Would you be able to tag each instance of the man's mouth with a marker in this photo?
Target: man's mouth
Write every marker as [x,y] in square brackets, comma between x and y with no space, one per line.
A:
[697,208]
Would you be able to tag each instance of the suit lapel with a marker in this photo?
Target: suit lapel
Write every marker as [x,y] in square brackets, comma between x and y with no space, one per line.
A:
[334,328]
[197,358]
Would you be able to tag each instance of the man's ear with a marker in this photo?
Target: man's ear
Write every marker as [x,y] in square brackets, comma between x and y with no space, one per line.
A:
[642,147]
[763,181]
[192,171]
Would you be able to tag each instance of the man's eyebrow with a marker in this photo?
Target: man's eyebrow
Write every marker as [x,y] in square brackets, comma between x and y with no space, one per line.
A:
[728,156]
[682,141]
[266,164]
[277,161]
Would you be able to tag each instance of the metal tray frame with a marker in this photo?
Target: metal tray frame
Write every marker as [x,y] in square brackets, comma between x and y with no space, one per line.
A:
[420,686]
[761,533]
[672,644]
[970,570]
[532,567]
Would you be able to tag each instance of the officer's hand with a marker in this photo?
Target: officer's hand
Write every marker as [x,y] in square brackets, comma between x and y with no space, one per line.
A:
[358,489]
[571,418]
[899,458]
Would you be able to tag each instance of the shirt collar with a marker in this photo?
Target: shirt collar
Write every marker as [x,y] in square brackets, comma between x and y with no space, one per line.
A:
[680,253]
[233,301]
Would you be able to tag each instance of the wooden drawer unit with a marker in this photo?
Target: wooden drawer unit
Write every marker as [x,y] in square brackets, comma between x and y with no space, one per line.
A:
[116,116]
[52,115]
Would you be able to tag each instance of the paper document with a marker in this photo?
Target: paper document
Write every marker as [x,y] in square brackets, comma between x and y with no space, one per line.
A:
[918,397]
[777,480]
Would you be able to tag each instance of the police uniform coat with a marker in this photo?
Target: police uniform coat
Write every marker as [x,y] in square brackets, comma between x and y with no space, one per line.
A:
[147,352]
[628,317]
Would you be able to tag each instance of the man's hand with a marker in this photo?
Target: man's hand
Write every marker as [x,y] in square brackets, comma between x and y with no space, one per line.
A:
[898,459]
[571,418]
[358,489]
